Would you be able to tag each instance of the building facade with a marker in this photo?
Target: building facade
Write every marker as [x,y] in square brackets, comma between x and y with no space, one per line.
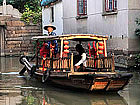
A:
[52,13]
[114,18]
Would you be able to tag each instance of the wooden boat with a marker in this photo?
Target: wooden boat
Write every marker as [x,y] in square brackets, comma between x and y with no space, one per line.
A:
[58,68]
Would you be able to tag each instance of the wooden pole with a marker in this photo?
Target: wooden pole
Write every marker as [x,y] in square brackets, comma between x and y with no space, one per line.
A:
[72,69]
[97,48]
[105,50]
[61,48]
[113,63]
[98,62]
[37,50]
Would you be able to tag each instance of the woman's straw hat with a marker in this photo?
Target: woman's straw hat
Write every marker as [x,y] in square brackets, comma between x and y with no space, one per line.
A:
[45,27]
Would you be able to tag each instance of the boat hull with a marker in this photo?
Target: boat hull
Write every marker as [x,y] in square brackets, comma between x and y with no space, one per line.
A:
[92,81]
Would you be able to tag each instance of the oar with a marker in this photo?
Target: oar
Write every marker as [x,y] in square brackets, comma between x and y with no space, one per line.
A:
[22,71]
[24,68]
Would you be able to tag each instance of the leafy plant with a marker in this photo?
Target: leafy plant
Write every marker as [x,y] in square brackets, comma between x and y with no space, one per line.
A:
[137,31]
[30,16]
[31,9]
[32,12]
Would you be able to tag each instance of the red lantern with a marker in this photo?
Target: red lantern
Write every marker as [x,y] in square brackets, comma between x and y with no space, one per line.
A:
[66,42]
[66,51]
[66,47]
[101,47]
[100,52]
[101,43]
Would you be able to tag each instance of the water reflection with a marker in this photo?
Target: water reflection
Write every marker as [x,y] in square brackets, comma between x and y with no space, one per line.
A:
[9,64]
[15,90]
[23,90]
[59,97]
[132,92]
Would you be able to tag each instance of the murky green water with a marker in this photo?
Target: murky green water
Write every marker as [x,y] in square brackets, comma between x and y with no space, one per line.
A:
[23,90]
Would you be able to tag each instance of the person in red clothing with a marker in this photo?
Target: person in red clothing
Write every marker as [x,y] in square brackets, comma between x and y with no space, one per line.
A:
[44,50]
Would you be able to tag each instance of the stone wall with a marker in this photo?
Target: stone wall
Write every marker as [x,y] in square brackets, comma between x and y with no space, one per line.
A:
[17,36]
[8,10]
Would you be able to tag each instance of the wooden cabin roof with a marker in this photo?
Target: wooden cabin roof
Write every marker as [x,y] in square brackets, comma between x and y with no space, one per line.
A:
[76,37]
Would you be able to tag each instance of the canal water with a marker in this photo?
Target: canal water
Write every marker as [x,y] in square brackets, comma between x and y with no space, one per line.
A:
[23,90]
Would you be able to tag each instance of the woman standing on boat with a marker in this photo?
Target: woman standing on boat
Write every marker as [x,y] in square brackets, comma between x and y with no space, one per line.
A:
[50,28]
[46,46]
[81,64]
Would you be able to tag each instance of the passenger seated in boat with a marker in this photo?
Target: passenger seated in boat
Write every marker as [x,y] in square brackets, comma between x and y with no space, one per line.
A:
[80,59]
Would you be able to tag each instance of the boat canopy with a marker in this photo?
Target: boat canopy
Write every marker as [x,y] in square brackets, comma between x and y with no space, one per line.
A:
[75,37]
[47,2]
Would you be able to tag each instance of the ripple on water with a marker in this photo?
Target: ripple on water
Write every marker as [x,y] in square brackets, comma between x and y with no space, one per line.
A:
[10,73]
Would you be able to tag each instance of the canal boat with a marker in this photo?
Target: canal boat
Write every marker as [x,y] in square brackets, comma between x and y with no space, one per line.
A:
[55,57]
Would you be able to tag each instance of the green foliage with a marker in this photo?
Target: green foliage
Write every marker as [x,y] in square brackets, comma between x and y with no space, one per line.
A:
[32,12]
[137,31]
[30,16]
[31,9]
[137,58]
[33,5]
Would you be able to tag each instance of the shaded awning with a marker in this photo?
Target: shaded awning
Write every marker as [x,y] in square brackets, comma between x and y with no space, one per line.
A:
[46,2]
[74,37]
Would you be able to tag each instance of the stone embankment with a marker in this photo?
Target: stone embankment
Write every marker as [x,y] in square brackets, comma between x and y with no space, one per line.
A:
[127,62]
[16,36]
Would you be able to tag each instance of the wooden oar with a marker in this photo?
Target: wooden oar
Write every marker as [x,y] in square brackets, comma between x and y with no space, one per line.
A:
[24,68]
[22,71]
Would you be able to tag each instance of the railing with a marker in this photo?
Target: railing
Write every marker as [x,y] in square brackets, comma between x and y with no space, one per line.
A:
[101,64]
[63,63]
[66,63]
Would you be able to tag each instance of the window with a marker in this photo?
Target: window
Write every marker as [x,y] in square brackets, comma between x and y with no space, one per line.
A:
[81,7]
[52,14]
[110,5]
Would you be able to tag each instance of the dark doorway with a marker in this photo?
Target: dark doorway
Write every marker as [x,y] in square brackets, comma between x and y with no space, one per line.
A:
[2,40]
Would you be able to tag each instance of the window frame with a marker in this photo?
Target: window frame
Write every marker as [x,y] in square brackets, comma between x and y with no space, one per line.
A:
[110,7]
[84,7]
[52,14]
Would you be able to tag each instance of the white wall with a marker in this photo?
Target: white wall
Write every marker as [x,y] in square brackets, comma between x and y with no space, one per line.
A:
[58,14]
[69,16]
[133,13]
[115,25]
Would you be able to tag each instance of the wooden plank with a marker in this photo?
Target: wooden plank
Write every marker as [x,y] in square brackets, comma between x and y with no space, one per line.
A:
[116,84]
[99,85]
[84,73]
